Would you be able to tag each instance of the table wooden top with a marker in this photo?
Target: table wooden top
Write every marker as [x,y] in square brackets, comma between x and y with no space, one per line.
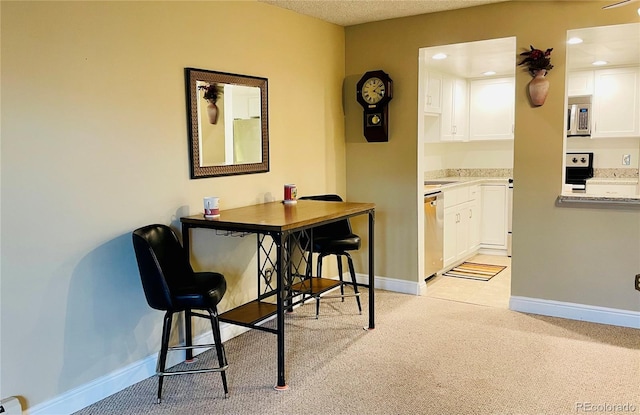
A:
[277,216]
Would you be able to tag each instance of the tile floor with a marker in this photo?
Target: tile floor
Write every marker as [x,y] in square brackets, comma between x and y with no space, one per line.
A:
[493,293]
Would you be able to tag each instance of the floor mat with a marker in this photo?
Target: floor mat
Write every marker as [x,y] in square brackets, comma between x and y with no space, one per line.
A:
[475,271]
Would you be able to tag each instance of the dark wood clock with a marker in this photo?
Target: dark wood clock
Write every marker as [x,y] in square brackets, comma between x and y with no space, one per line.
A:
[374,91]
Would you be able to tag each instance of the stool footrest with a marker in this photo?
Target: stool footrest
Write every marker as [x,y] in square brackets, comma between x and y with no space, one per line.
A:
[315,285]
[186,372]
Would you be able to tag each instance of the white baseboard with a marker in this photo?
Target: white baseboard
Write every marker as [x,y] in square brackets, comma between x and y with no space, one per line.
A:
[92,392]
[493,251]
[391,284]
[573,311]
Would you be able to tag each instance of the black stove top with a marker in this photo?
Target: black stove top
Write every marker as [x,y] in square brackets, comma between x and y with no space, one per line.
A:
[579,168]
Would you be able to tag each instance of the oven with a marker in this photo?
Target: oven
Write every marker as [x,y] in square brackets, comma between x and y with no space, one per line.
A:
[578,169]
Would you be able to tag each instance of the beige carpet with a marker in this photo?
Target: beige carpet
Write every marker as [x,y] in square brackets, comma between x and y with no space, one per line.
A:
[426,356]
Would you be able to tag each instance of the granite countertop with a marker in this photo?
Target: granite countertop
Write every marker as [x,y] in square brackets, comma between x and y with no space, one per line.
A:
[604,197]
[442,180]
[446,183]
[612,200]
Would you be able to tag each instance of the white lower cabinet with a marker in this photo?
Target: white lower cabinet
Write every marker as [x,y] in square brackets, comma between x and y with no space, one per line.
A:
[493,229]
[461,224]
[628,189]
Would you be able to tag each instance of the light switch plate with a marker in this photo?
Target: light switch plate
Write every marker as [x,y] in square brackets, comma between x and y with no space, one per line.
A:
[626,159]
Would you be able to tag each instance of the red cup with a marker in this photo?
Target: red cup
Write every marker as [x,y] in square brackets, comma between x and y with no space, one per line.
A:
[290,193]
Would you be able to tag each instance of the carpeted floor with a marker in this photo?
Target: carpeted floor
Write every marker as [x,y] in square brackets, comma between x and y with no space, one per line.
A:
[426,356]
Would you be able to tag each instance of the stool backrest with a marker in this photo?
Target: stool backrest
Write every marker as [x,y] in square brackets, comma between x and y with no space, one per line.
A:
[163,264]
[334,230]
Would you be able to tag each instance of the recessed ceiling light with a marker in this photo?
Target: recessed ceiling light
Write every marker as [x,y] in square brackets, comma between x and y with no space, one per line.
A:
[600,63]
[574,41]
[439,56]
[489,73]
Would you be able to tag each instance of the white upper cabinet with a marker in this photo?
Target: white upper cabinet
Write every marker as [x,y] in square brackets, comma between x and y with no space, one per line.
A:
[491,109]
[616,103]
[580,83]
[433,93]
[454,109]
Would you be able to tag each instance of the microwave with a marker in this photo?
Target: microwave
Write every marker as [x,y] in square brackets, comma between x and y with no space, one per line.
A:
[579,116]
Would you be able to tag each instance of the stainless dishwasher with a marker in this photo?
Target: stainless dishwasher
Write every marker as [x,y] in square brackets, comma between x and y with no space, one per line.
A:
[433,225]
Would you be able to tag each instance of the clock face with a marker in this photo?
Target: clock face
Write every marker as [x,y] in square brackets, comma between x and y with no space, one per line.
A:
[373,90]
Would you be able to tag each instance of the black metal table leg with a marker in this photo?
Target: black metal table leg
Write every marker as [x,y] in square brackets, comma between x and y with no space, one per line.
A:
[281,270]
[188,334]
[187,313]
[372,219]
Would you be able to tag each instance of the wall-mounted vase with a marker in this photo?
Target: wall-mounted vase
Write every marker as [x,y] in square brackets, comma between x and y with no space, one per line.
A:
[539,88]
[212,111]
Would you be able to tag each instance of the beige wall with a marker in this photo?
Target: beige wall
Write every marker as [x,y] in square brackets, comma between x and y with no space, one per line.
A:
[94,144]
[581,255]
[469,155]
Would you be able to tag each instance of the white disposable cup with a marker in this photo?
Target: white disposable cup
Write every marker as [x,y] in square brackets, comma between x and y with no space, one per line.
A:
[211,207]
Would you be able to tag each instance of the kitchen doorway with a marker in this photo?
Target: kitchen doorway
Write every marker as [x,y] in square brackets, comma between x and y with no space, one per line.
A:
[492,293]
[466,130]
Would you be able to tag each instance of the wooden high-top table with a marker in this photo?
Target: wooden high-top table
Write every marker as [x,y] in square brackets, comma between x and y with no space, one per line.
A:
[280,225]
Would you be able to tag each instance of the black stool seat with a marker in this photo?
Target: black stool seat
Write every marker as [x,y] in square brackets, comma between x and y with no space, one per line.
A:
[329,245]
[170,284]
[205,291]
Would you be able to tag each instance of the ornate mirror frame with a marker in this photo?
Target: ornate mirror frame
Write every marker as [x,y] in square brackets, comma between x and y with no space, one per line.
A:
[192,76]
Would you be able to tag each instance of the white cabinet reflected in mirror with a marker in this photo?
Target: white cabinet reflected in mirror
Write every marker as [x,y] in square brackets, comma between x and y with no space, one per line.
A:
[228,123]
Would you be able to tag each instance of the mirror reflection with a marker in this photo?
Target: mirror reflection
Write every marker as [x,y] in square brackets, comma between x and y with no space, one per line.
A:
[228,123]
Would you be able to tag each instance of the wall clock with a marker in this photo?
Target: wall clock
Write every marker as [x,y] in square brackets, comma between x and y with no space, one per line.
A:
[374,91]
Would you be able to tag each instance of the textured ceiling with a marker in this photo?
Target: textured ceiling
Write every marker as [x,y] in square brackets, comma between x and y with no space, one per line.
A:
[620,45]
[352,12]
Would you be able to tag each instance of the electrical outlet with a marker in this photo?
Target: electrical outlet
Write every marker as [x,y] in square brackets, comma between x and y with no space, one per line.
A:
[638,282]
[626,159]
[268,273]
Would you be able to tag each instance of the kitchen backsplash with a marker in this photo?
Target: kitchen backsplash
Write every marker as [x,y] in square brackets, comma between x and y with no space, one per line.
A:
[437,174]
[597,173]
[615,173]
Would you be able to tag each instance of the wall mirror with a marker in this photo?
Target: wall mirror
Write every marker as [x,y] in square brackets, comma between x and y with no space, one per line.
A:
[228,123]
